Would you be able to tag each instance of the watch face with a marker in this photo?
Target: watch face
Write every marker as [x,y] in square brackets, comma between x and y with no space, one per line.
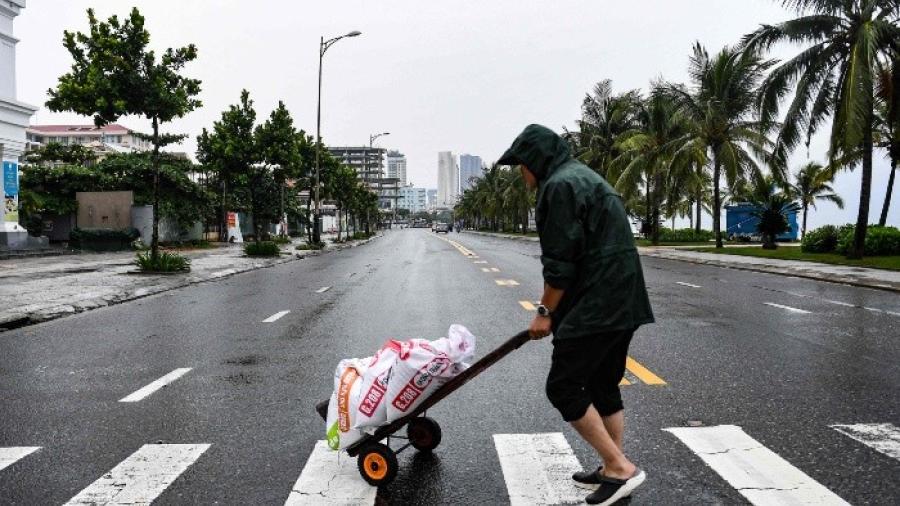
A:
[543,311]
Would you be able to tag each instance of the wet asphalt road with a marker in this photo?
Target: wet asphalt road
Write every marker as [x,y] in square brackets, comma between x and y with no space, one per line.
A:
[725,355]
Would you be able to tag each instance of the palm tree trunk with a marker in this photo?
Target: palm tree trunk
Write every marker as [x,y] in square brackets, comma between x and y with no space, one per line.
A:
[717,199]
[887,196]
[154,243]
[865,191]
[698,224]
[805,211]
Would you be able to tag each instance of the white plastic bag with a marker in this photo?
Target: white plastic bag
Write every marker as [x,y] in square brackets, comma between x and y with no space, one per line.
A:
[372,410]
[342,408]
[423,366]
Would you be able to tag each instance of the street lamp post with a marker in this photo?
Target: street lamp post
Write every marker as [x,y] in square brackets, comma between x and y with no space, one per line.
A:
[323,46]
[372,138]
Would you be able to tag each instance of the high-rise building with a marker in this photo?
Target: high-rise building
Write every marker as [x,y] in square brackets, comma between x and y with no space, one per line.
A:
[396,166]
[471,168]
[14,118]
[414,199]
[448,180]
[369,166]
[432,198]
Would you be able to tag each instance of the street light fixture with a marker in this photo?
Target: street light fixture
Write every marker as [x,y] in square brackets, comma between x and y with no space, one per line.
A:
[323,46]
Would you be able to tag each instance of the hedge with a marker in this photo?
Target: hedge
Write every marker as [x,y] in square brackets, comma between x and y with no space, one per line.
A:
[880,241]
[103,239]
[684,235]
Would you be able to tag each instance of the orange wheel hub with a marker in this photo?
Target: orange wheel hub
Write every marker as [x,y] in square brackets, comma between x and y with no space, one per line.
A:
[376,466]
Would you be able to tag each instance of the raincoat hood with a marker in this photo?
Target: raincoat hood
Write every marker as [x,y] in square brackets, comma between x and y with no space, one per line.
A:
[539,149]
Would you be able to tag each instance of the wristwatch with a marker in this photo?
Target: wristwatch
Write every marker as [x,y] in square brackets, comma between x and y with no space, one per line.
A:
[544,311]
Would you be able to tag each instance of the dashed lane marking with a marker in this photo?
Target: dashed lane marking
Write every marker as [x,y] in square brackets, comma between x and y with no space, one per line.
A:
[156,385]
[689,285]
[494,269]
[538,469]
[323,289]
[330,477]
[759,474]
[528,306]
[143,476]
[642,372]
[787,308]
[275,317]
[9,456]
[507,282]
[881,437]
[485,269]
[480,262]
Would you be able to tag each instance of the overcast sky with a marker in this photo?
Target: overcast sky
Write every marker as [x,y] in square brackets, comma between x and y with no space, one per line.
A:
[464,76]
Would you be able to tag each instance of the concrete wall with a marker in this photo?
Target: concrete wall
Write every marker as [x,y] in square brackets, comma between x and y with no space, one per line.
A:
[169,231]
[109,210]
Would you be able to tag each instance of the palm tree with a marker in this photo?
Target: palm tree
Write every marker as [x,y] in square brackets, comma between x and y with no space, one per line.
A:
[888,123]
[772,208]
[833,76]
[812,182]
[645,157]
[604,117]
[718,110]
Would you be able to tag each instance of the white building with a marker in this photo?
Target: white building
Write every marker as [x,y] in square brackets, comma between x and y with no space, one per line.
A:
[396,166]
[414,199]
[471,169]
[112,137]
[14,118]
[448,180]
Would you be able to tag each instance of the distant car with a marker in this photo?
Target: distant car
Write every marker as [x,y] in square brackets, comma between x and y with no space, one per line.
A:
[441,227]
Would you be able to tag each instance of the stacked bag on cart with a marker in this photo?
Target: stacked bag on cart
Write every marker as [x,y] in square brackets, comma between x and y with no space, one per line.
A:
[377,390]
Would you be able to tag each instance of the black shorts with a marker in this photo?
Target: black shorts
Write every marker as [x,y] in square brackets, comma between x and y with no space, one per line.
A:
[587,371]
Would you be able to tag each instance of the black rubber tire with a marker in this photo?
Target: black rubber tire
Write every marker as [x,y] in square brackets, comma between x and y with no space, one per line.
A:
[375,475]
[424,433]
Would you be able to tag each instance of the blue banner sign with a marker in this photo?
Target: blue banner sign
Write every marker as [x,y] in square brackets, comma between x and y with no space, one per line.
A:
[10,179]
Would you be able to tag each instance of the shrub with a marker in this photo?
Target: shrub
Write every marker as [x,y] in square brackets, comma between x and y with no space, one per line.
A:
[281,240]
[684,235]
[262,249]
[103,239]
[307,247]
[165,262]
[359,236]
[821,240]
[880,241]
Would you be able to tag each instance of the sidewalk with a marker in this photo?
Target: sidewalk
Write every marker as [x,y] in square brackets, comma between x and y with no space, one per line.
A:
[39,289]
[855,276]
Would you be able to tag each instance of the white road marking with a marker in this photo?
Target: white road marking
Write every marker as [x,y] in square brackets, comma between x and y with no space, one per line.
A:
[323,289]
[275,317]
[156,385]
[480,262]
[494,269]
[143,476]
[839,303]
[538,469]
[882,437]
[330,477]
[689,285]
[9,456]
[507,282]
[485,269]
[759,474]
[787,308]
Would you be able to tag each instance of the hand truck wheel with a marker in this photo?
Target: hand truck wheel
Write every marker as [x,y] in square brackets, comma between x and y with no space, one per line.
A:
[377,464]
[423,433]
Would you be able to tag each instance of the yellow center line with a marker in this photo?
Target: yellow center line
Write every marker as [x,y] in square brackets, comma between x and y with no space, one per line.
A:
[624,382]
[643,373]
[527,305]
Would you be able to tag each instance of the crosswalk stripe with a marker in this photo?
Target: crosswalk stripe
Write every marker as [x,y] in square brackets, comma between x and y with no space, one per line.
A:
[146,391]
[759,474]
[9,456]
[143,476]
[538,469]
[882,437]
[330,477]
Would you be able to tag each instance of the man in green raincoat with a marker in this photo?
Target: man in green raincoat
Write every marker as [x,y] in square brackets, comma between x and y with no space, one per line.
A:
[594,299]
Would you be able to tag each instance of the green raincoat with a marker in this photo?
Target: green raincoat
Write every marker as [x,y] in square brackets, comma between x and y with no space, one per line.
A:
[587,248]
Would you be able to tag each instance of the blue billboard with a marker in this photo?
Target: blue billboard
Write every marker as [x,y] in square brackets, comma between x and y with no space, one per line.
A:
[10,179]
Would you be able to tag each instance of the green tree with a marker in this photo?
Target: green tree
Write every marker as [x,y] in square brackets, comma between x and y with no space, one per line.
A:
[888,122]
[719,110]
[115,74]
[833,76]
[55,153]
[281,147]
[605,116]
[340,183]
[812,183]
[772,208]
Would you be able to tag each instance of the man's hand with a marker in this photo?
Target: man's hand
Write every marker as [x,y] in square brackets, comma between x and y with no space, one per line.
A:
[540,327]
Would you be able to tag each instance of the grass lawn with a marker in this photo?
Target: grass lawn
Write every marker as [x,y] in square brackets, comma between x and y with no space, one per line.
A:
[794,253]
[644,243]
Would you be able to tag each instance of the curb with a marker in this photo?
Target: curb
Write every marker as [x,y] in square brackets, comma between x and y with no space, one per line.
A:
[15,319]
[828,278]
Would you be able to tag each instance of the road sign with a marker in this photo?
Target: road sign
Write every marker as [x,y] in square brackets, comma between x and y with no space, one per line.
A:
[10,179]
